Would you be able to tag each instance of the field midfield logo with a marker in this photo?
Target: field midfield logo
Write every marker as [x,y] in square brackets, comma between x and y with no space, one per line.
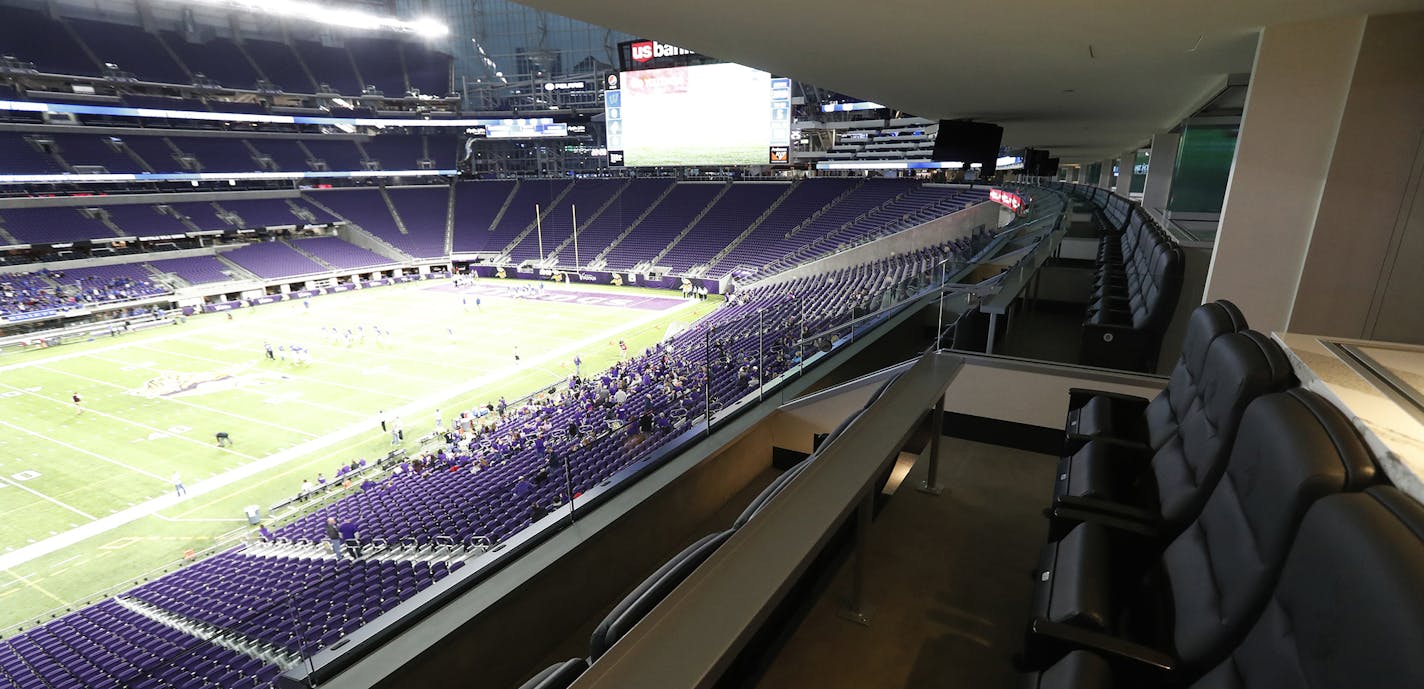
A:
[643,51]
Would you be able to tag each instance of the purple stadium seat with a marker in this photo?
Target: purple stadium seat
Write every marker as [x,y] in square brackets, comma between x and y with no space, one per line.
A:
[273,260]
[134,50]
[195,270]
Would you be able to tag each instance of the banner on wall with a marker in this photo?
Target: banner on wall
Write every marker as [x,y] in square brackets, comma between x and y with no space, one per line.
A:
[1007,199]
[604,277]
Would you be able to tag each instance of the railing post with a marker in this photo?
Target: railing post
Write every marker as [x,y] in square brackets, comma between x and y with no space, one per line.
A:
[569,486]
[856,609]
[931,483]
[801,341]
[761,356]
[939,323]
[707,378]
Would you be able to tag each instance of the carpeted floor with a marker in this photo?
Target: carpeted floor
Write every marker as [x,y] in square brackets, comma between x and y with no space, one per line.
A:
[949,581]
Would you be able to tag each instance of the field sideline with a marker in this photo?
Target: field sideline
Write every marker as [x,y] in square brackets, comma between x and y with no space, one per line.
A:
[95,489]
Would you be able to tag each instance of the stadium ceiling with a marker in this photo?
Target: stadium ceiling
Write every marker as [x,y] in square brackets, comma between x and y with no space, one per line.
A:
[1086,80]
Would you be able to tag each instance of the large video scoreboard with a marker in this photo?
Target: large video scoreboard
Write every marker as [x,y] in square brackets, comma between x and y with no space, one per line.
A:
[672,107]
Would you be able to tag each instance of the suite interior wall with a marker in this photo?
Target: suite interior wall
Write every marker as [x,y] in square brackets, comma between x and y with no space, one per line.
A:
[1361,273]
[1293,112]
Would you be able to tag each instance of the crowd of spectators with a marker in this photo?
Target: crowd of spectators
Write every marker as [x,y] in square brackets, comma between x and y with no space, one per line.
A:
[47,292]
[507,452]
[30,293]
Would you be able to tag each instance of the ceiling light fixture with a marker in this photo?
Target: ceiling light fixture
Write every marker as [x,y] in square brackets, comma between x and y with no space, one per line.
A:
[353,19]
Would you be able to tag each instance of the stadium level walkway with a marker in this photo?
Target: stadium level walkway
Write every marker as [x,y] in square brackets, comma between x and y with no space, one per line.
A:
[948,579]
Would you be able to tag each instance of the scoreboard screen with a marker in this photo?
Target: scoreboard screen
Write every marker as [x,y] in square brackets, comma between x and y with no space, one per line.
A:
[697,114]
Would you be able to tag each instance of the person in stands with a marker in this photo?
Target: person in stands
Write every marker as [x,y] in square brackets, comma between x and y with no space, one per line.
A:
[333,536]
[350,531]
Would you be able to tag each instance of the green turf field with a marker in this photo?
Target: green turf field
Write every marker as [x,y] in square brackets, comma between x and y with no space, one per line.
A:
[61,469]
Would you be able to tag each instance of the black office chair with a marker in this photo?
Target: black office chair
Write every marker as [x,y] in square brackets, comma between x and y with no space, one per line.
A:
[1171,485]
[1193,599]
[1346,613]
[1135,420]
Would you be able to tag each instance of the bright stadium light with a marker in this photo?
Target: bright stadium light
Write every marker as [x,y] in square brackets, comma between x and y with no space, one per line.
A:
[424,27]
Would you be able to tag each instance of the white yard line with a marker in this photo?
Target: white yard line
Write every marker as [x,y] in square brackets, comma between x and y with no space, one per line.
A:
[258,393]
[383,354]
[28,489]
[195,519]
[178,331]
[315,381]
[80,450]
[63,540]
[183,331]
[186,403]
[151,429]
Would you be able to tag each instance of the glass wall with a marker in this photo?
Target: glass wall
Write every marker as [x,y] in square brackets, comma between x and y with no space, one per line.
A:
[506,53]
[1139,171]
[1204,159]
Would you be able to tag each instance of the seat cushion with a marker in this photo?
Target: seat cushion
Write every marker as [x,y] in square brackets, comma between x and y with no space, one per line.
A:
[1096,417]
[1192,567]
[1178,484]
[1080,582]
[1161,419]
[1347,613]
[1239,368]
[1077,670]
[1092,472]
[1293,449]
[1113,417]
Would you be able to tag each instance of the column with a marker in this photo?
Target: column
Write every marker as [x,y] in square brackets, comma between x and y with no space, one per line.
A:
[1105,175]
[1159,170]
[1361,277]
[1293,108]
[1126,169]
[1322,229]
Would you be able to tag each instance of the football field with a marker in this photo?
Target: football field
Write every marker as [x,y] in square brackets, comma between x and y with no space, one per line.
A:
[87,498]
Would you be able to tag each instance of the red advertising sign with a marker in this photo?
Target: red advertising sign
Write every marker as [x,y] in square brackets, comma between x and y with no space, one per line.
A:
[1006,199]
